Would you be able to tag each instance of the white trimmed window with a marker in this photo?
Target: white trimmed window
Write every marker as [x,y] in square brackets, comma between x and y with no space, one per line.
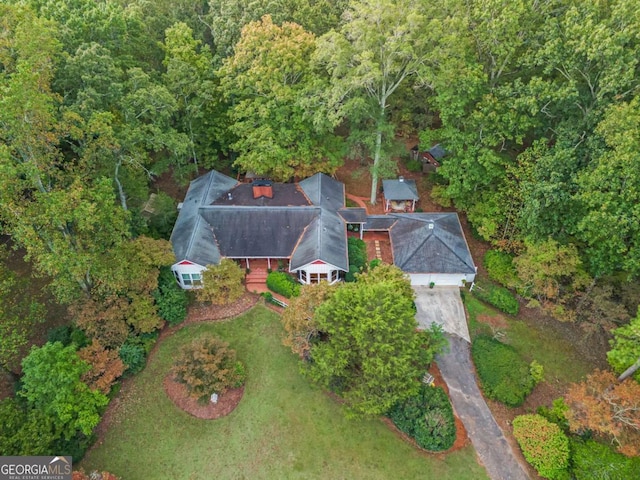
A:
[192,279]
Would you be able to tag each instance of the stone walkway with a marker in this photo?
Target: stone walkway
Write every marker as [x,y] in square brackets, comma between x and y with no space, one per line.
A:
[492,447]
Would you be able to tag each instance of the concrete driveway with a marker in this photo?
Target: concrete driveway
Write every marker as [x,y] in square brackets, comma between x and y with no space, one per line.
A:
[441,305]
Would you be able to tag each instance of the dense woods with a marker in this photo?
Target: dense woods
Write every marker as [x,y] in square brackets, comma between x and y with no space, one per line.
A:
[536,103]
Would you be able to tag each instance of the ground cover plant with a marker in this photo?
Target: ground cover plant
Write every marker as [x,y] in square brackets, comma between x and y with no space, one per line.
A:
[557,355]
[282,428]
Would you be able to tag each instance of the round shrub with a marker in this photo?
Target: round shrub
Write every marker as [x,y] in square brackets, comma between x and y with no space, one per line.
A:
[504,375]
[543,444]
[207,365]
[428,418]
[284,284]
[171,300]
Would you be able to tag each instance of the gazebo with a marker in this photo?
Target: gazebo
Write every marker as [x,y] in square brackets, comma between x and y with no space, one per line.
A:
[400,195]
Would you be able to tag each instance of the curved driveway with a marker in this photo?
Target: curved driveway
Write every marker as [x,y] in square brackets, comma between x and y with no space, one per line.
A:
[444,306]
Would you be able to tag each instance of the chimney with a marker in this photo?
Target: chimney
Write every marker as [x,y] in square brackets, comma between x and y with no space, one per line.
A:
[262,188]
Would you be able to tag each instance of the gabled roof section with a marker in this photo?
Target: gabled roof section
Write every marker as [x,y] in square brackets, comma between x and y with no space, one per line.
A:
[191,237]
[324,239]
[323,191]
[284,195]
[400,189]
[437,151]
[221,218]
[430,243]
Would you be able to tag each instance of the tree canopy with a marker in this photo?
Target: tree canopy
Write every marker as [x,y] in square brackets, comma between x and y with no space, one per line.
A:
[368,350]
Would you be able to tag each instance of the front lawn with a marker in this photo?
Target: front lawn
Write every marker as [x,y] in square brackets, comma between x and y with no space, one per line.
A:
[283,427]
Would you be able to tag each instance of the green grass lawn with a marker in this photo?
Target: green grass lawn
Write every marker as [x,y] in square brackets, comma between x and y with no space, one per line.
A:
[283,427]
[558,357]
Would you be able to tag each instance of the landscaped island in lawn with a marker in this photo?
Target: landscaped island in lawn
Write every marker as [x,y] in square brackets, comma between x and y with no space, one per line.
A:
[283,427]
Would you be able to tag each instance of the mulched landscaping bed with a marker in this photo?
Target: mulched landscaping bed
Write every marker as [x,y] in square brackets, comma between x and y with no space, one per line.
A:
[206,313]
[178,394]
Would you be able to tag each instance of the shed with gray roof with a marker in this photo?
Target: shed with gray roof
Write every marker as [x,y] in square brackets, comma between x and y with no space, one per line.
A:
[400,195]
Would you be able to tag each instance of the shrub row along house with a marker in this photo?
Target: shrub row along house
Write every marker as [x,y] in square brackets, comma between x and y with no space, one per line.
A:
[302,228]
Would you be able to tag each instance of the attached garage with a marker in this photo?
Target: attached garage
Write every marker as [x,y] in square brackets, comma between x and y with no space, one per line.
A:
[441,279]
[431,247]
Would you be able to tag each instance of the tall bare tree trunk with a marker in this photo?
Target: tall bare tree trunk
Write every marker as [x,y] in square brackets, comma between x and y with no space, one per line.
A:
[377,152]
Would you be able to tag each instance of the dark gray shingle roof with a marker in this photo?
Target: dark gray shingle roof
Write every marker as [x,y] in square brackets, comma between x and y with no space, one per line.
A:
[430,243]
[400,189]
[257,231]
[211,225]
[379,222]
[437,151]
[353,215]
[191,236]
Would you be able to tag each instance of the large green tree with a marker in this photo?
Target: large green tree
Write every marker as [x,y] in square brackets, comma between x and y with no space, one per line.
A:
[381,45]
[369,352]
[278,112]
[226,18]
[52,384]
[191,79]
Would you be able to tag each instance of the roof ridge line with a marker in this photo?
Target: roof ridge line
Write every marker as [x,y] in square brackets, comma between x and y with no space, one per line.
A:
[453,251]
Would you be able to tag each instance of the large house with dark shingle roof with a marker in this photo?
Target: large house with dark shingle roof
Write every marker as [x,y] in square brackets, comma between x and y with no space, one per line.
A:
[304,227]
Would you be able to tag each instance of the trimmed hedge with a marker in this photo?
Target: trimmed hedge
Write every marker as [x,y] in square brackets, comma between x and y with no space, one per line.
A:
[504,375]
[543,444]
[499,297]
[284,284]
[591,460]
[427,418]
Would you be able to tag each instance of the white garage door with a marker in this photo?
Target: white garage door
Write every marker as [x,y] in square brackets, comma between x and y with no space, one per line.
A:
[442,279]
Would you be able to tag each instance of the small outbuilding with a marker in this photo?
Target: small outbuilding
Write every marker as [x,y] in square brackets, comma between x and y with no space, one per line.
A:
[430,159]
[400,195]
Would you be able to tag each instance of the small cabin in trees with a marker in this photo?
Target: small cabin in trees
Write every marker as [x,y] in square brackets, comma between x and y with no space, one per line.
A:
[430,159]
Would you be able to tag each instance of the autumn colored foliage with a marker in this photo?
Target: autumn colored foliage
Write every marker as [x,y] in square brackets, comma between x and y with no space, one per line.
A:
[207,365]
[106,366]
[543,444]
[222,283]
[297,319]
[608,408]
